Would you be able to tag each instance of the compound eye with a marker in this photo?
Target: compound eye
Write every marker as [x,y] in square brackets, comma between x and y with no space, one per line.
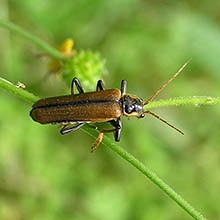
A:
[129,109]
[138,108]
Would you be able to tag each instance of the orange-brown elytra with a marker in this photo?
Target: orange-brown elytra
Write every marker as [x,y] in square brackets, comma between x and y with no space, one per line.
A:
[100,106]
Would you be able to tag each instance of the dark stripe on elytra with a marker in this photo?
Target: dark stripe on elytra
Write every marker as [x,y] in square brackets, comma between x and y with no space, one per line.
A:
[79,103]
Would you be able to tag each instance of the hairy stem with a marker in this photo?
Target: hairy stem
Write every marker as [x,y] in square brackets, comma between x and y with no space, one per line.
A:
[121,152]
[191,100]
[41,44]
[17,91]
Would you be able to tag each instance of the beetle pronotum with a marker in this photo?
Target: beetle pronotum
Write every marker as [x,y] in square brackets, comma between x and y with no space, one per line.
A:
[100,106]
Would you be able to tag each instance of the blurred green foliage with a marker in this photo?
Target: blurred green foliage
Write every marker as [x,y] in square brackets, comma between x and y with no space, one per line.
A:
[44,175]
[87,62]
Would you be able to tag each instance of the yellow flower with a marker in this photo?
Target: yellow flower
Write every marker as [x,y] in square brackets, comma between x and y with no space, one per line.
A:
[66,49]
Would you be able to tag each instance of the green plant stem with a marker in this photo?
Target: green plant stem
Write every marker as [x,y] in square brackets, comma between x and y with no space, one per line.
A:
[191,100]
[41,44]
[120,151]
[19,92]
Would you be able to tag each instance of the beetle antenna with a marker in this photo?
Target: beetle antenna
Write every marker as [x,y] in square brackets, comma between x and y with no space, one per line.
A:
[156,116]
[165,84]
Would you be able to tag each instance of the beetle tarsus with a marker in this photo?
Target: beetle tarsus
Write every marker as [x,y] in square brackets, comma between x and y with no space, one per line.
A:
[97,142]
[100,137]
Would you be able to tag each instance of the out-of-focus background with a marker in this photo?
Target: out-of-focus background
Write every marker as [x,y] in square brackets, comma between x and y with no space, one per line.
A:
[44,175]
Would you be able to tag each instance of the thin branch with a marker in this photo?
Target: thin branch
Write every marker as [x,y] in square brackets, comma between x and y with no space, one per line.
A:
[17,91]
[191,100]
[41,44]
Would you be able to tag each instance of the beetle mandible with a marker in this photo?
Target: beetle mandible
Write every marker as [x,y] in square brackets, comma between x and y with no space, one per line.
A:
[100,106]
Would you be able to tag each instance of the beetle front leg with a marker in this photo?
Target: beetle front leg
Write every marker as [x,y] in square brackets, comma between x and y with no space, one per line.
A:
[123,87]
[66,130]
[117,125]
[78,86]
[100,86]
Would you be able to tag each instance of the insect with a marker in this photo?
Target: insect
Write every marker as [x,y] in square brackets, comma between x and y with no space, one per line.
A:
[100,106]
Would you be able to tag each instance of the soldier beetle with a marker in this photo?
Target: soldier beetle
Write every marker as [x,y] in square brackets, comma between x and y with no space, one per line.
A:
[99,106]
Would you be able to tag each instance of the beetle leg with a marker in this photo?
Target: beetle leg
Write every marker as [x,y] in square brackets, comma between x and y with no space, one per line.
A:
[118,130]
[66,130]
[100,86]
[117,125]
[78,86]
[99,138]
[123,87]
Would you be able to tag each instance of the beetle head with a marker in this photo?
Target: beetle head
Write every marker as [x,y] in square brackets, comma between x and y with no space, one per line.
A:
[132,106]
